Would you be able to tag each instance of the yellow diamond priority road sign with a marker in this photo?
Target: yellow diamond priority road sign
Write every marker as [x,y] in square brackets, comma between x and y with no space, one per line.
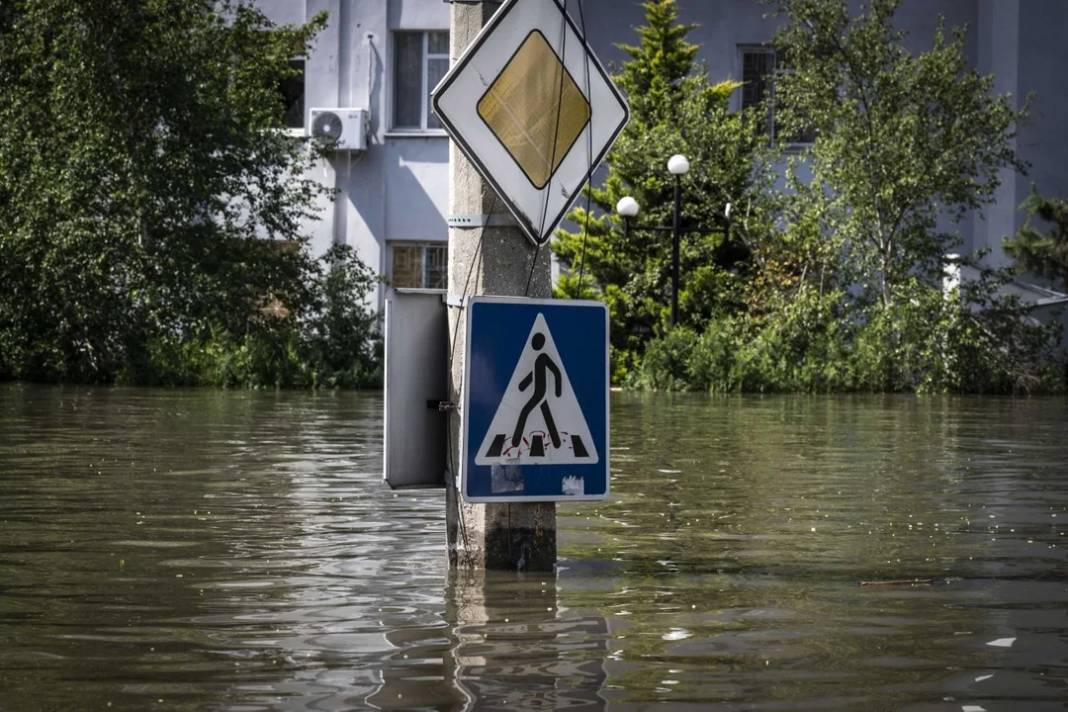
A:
[529,104]
[532,98]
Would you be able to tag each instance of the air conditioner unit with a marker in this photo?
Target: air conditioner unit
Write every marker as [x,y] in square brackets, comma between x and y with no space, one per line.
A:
[340,129]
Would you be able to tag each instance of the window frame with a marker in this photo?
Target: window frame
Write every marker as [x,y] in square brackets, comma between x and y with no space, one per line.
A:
[424,246]
[771,126]
[302,100]
[425,110]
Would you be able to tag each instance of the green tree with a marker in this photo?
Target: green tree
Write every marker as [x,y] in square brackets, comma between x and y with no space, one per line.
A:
[338,325]
[150,205]
[846,291]
[674,109]
[1045,254]
[900,138]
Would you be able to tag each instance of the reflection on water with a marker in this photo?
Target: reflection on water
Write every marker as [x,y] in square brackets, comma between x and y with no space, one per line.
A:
[234,550]
[508,645]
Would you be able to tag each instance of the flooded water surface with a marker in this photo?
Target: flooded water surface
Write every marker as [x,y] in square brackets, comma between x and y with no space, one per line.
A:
[220,550]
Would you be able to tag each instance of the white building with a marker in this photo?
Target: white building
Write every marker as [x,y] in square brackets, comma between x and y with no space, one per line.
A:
[386,55]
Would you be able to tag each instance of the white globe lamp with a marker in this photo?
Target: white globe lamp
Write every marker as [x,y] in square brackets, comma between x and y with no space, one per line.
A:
[679,165]
[627,207]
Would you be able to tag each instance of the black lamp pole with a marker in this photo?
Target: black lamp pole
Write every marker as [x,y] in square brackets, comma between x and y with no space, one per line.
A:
[628,208]
[676,229]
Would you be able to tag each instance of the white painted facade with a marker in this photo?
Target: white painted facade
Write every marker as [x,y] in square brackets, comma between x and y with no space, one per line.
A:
[396,192]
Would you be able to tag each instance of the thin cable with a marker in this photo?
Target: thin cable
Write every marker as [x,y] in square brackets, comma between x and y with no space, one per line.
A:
[471,269]
[461,525]
[533,264]
[585,234]
[589,153]
[475,260]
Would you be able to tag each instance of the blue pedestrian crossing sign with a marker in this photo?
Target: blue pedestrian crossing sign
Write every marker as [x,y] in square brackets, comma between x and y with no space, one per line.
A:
[535,411]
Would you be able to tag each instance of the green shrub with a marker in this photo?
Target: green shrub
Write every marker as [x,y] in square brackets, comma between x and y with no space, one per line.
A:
[711,366]
[333,344]
[666,366]
[975,342]
[799,346]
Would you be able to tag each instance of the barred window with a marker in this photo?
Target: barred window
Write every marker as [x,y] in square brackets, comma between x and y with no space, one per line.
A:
[419,265]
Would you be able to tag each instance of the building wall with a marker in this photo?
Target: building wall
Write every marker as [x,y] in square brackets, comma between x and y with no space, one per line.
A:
[398,188]
[1020,44]
[1043,57]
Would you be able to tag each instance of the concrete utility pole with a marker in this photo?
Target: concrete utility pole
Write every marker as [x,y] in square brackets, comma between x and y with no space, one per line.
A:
[492,260]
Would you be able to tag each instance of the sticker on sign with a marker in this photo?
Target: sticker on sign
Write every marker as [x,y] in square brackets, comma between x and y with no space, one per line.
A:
[533,109]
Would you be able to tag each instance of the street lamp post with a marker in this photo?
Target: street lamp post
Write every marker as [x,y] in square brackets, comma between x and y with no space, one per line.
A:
[678,165]
[627,208]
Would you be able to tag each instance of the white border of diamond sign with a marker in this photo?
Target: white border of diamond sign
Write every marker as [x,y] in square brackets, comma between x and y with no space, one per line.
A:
[456,99]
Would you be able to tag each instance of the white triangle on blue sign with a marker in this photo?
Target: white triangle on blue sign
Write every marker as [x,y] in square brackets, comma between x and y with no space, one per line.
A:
[539,420]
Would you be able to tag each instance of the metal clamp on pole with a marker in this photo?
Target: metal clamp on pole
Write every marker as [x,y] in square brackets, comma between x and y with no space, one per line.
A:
[474,220]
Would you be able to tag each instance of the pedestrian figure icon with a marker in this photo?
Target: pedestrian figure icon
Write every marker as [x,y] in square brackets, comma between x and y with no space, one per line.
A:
[542,364]
[539,420]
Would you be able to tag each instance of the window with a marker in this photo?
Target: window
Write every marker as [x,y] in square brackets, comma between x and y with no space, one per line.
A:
[420,265]
[758,64]
[420,60]
[758,71]
[292,90]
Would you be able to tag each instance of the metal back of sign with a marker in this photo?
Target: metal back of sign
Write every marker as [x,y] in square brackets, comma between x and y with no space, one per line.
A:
[417,345]
[533,109]
[535,414]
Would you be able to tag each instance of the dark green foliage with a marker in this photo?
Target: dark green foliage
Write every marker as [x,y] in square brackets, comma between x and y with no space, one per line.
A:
[971,342]
[927,343]
[330,345]
[1045,254]
[798,348]
[338,328]
[846,293]
[150,207]
[674,109]
[659,64]
[666,365]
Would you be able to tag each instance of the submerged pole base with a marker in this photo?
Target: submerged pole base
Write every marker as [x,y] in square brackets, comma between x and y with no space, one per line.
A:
[502,537]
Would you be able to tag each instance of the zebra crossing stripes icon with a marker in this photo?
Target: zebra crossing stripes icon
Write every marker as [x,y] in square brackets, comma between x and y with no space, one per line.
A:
[539,420]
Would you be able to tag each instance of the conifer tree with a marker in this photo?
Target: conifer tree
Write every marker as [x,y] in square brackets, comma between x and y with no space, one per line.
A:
[674,109]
